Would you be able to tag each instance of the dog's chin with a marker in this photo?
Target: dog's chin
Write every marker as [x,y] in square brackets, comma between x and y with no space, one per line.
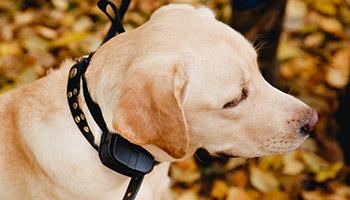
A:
[225,155]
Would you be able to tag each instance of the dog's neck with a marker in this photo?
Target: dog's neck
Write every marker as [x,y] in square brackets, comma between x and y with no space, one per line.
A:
[59,148]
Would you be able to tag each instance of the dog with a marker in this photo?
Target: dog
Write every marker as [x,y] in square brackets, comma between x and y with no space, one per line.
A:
[180,82]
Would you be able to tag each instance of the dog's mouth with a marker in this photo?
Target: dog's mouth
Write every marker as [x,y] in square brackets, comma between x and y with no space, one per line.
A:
[206,157]
[225,155]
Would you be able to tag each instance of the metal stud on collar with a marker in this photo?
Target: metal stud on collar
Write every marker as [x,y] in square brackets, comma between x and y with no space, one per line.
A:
[73,89]
[73,72]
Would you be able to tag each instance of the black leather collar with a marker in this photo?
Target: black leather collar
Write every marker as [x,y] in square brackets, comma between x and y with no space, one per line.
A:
[116,158]
[115,152]
[73,90]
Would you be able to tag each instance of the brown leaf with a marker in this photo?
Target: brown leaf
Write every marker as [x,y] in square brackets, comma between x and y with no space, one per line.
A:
[275,195]
[239,178]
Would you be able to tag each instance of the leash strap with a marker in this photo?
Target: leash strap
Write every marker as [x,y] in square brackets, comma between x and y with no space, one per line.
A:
[94,108]
[116,26]
[133,188]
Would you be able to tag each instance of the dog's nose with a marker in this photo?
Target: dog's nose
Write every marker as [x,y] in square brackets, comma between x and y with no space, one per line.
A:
[310,124]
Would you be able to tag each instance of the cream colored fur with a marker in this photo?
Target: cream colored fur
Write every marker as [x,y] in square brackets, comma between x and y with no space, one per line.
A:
[163,86]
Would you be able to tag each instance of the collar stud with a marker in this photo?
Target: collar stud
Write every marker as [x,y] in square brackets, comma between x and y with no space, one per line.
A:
[77,119]
[70,94]
[73,72]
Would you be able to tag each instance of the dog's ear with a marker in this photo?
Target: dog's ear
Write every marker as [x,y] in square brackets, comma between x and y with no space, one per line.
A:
[150,109]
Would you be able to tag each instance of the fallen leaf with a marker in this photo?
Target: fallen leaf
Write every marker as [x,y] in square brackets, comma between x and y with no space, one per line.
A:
[9,48]
[60,4]
[314,40]
[23,18]
[291,165]
[329,172]
[188,195]
[234,163]
[313,195]
[236,193]
[313,162]
[274,162]
[46,32]
[263,180]
[332,26]
[288,50]
[275,195]
[69,38]
[239,178]
[219,189]
[336,78]
[295,14]
[325,7]
[185,172]
[35,43]
[82,24]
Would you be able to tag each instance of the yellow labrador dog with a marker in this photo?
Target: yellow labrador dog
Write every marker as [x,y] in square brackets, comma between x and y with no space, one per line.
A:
[181,81]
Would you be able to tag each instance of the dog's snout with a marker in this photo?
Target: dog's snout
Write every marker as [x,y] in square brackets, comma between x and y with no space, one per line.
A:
[310,124]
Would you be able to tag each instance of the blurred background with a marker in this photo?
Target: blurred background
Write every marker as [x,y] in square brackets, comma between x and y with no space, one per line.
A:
[304,49]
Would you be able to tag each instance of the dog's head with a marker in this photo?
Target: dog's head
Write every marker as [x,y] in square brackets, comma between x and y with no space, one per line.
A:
[191,81]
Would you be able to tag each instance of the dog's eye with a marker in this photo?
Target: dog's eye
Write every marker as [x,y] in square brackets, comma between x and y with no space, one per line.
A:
[234,102]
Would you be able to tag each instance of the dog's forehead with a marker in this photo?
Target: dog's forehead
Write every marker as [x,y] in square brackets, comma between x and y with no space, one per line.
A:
[215,48]
[180,24]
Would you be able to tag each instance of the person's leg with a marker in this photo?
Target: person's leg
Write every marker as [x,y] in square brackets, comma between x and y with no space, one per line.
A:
[261,22]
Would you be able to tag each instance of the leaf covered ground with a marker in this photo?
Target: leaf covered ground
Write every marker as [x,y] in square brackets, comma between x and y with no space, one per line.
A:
[314,54]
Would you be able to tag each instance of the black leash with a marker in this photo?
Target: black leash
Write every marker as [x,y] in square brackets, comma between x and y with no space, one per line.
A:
[115,151]
[116,26]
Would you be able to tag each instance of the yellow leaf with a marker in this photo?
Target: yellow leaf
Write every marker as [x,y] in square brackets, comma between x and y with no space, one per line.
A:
[219,189]
[345,14]
[271,162]
[324,7]
[234,162]
[291,165]
[289,49]
[60,4]
[237,193]
[329,172]
[262,180]
[185,171]
[337,78]
[188,165]
[183,175]
[313,162]
[10,48]
[68,38]
[188,195]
